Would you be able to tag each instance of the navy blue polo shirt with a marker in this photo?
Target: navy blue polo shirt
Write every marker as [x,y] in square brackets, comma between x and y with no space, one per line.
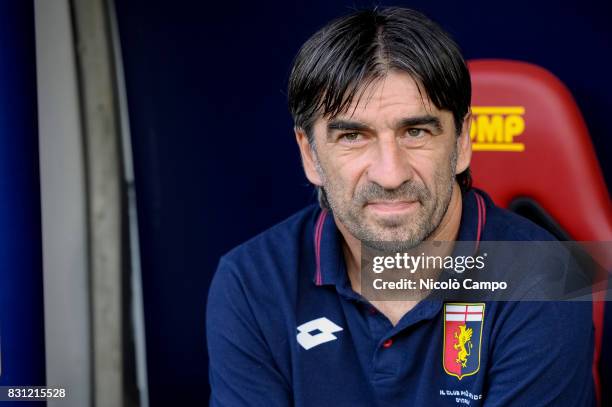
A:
[285,328]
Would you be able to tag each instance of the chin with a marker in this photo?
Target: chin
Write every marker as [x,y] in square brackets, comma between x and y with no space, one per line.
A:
[392,223]
[397,234]
[393,245]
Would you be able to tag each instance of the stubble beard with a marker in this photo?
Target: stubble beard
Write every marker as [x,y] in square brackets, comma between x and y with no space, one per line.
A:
[399,233]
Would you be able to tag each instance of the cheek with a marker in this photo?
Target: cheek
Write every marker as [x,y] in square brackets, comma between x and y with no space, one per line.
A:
[431,168]
[422,165]
[344,172]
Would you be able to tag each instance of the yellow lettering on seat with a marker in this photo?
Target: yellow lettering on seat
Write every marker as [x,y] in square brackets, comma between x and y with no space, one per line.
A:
[494,128]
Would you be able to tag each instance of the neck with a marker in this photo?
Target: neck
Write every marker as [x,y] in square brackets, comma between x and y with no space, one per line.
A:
[447,230]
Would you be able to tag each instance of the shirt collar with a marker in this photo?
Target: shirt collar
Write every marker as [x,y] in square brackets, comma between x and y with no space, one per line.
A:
[473,217]
[328,250]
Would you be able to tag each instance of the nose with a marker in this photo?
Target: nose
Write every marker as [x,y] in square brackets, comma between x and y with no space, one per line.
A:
[390,167]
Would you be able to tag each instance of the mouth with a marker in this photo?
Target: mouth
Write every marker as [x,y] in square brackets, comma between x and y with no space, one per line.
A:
[392,207]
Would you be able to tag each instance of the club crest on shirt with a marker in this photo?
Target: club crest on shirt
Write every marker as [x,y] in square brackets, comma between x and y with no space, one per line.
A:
[462,338]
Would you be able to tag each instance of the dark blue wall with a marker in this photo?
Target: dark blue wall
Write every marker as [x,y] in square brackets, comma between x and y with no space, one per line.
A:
[214,150]
[22,351]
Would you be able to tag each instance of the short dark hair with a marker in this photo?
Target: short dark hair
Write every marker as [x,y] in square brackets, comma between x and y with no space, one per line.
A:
[339,61]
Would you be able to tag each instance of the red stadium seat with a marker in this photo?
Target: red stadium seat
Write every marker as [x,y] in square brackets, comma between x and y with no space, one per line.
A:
[531,145]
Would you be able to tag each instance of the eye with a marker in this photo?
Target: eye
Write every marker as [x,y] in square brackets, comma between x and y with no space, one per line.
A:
[351,137]
[415,133]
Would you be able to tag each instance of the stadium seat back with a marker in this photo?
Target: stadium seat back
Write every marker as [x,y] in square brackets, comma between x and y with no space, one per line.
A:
[533,154]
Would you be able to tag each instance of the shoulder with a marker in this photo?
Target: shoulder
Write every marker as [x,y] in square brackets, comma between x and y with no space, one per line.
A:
[540,340]
[276,242]
[253,291]
[528,256]
[270,258]
[504,225]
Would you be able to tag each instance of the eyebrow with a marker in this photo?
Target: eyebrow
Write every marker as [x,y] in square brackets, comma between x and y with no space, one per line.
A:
[425,120]
[347,125]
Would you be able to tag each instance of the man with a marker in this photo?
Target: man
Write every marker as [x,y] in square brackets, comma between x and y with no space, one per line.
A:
[381,104]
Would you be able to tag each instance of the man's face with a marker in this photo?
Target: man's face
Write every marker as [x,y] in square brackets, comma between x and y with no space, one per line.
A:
[388,165]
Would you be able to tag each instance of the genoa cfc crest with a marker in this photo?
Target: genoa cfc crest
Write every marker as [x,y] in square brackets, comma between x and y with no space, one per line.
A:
[462,338]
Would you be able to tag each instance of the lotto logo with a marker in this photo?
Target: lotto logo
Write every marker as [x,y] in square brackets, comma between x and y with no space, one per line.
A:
[316,332]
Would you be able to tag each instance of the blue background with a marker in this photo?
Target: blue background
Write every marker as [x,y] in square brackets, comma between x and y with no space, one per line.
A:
[215,156]
[21,294]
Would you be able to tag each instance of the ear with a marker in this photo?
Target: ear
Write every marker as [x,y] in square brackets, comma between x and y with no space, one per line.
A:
[308,157]
[464,145]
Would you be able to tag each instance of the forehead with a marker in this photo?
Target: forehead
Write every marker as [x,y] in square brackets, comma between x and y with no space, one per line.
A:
[396,94]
